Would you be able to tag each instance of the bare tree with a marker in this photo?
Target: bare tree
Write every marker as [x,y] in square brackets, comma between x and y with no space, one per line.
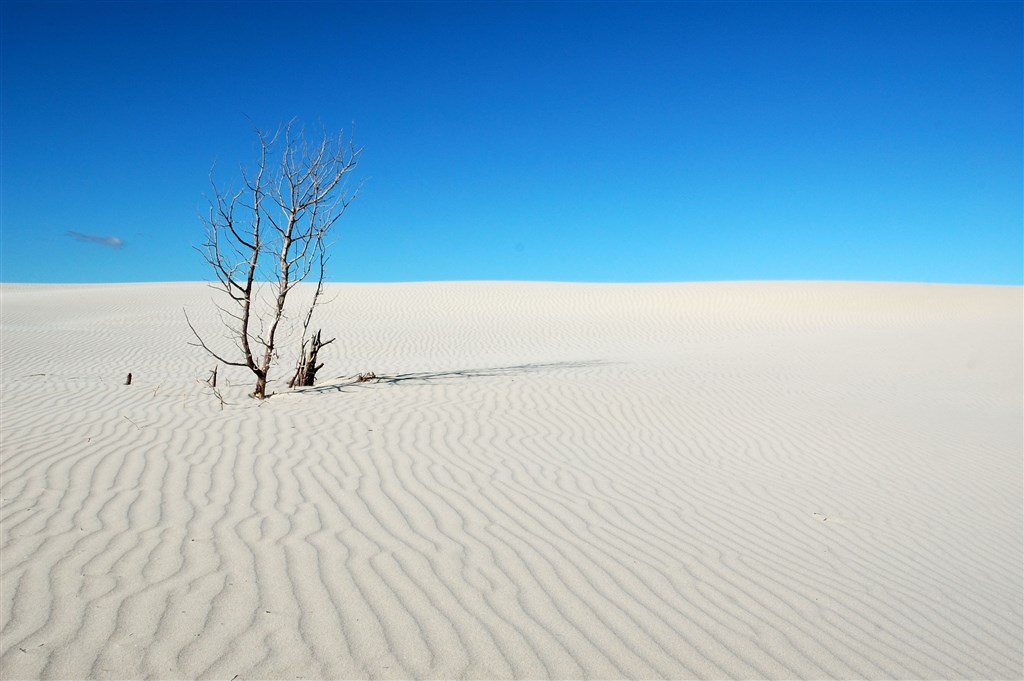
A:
[306,366]
[271,235]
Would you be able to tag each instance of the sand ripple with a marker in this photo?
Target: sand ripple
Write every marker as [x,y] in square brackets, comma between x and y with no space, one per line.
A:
[549,481]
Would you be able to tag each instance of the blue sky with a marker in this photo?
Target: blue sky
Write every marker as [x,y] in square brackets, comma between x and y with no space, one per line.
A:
[551,141]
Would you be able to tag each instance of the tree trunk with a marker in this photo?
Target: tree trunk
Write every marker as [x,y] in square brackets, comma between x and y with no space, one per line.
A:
[260,393]
[306,367]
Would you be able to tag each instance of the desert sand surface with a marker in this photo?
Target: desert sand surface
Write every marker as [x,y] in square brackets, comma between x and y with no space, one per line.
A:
[573,481]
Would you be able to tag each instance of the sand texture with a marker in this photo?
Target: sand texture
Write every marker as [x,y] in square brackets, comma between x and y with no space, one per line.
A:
[724,480]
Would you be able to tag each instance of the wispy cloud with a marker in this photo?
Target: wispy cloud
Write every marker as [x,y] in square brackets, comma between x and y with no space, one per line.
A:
[112,241]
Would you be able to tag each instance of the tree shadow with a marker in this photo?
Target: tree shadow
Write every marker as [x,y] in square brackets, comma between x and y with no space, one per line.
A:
[341,384]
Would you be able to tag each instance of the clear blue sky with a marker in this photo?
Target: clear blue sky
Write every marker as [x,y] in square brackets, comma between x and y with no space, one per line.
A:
[554,141]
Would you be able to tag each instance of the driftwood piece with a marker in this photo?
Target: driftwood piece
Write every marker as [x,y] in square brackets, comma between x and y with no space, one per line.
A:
[129,381]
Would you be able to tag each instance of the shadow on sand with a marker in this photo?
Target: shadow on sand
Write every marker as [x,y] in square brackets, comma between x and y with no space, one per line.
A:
[340,384]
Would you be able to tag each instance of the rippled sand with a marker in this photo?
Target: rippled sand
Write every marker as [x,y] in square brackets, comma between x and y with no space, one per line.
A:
[727,480]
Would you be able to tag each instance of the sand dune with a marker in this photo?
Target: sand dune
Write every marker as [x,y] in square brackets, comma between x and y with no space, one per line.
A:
[727,480]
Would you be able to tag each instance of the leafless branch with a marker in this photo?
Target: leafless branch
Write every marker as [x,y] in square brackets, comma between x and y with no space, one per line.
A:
[275,230]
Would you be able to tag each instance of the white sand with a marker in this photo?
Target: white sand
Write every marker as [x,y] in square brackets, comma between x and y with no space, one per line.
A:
[727,480]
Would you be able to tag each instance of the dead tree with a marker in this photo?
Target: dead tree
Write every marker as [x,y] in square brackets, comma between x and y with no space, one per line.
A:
[268,237]
[306,367]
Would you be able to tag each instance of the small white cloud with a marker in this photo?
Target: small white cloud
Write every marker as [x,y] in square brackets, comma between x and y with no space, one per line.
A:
[112,241]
